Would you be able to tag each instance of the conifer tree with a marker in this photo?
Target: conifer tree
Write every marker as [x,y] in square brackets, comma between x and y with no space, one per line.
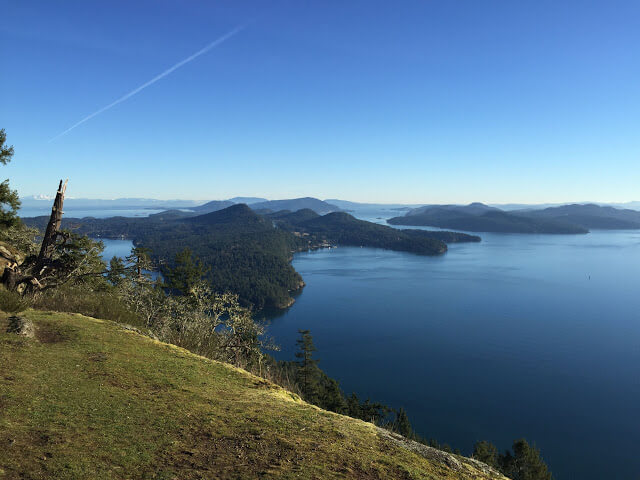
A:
[525,463]
[308,372]
[332,397]
[116,272]
[486,452]
[139,260]
[353,406]
[9,200]
[186,273]
[402,425]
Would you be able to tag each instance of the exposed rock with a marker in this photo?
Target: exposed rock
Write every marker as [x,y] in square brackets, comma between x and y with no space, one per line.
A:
[21,326]
[454,462]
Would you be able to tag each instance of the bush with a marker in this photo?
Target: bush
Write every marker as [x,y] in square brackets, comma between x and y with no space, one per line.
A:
[103,304]
[12,302]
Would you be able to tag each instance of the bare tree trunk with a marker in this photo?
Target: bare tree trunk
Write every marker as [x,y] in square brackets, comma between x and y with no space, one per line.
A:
[53,227]
[16,275]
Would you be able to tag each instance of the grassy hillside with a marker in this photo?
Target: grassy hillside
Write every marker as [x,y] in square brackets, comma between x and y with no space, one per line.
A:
[87,398]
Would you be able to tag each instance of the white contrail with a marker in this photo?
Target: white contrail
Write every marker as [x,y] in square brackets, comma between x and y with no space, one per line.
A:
[213,44]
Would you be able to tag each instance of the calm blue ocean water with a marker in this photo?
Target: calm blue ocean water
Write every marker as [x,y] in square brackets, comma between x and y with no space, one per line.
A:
[115,248]
[520,335]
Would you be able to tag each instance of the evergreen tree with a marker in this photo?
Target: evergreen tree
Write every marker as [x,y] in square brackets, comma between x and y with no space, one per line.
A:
[139,260]
[486,452]
[525,463]
[308,371]
[332,397]
[186,273]
[373,411]
[353,406]
[402,425]
[115,275]
[9,200]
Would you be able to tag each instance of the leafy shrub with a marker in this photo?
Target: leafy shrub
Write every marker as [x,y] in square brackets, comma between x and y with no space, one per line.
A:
[99,304]
[12,302]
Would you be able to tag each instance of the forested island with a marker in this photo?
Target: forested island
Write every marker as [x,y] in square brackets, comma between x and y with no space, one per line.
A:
[344,229]
[250,254]
[588,216]
[478,217]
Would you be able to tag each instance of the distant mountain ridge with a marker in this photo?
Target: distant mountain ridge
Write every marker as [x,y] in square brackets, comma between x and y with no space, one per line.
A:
[295,204]
[269,206]
[589,216]
[477,217]
[239,214]
[248,200]
[475,208]
[213,206]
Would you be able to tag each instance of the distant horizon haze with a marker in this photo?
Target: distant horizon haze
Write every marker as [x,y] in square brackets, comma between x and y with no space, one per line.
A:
[45,199]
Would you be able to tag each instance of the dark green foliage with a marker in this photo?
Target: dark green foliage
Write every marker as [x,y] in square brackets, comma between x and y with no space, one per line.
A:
[443,236]
[343,229]
[308,373]
[77,259]
[374,412]
[9,200]
[332,397]
[288,220]
[524,463]
[115,275]
[186,272]
[243,252]
[353,405]
[367,410]
[402,425]
[6,152]
[12,302]
[486,452]
[139,260]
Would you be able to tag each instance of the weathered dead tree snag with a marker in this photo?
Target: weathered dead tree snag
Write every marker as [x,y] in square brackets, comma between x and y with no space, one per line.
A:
[64,258]
[53,229]
[32,274]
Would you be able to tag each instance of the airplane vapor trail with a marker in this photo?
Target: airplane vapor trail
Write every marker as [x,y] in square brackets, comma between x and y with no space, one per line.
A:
[213,44]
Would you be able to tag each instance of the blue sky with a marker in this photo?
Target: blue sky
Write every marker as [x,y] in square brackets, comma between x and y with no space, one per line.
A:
[412,101]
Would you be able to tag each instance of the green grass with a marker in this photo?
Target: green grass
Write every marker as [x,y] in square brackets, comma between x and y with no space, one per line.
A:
[89,399]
